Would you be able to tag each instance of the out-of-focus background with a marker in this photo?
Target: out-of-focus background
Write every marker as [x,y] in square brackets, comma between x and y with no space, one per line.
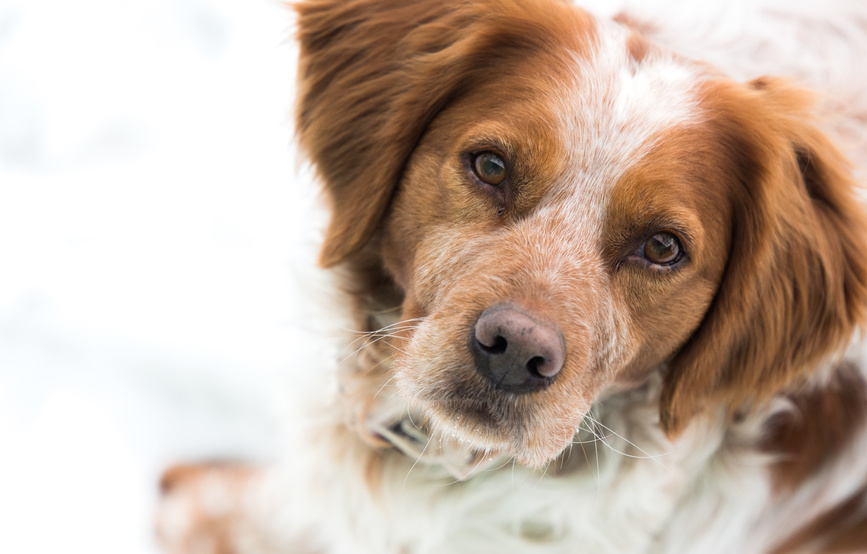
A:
[152,224]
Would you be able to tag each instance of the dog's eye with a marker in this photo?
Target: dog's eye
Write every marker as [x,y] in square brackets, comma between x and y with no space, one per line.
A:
[663,248]
[490,168]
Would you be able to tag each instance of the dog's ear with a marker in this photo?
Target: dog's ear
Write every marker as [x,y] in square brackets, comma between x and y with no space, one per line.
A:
[360,108]
[374,73]
[795,286]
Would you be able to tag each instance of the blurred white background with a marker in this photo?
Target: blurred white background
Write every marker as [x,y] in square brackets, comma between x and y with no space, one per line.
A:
[151,222]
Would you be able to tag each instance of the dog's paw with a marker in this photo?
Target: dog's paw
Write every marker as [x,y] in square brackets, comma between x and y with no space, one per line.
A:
[202,509]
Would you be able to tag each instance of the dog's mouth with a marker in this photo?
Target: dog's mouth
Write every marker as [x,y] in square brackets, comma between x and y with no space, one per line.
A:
[413,436]
[457,412]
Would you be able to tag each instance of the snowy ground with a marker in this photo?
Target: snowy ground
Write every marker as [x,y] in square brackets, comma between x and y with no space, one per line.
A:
[151,223]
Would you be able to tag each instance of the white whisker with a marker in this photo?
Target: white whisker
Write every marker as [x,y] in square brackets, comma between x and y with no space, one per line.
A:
[612,432]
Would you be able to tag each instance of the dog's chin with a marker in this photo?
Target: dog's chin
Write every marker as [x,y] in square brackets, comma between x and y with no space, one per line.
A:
[531,446]
[494,427]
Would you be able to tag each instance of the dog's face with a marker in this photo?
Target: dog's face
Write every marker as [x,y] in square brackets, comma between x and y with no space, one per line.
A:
[569,209]
[596,213]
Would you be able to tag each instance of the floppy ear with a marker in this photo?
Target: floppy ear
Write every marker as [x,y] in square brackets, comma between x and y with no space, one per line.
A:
[374,73]
[795,287]
[361,108]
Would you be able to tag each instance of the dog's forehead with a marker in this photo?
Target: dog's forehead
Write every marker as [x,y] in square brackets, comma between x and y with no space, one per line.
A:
[617,107]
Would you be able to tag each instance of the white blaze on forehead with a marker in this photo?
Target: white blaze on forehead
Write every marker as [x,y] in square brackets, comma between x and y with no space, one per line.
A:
[615,108]
[609,117]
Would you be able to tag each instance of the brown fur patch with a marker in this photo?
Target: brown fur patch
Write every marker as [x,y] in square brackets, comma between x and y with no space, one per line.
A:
[638,47]
[795,287]
[211,508]
[822,421]
[201,507]
[840,530]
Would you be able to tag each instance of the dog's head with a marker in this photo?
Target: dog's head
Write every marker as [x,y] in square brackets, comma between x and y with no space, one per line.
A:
[569,208]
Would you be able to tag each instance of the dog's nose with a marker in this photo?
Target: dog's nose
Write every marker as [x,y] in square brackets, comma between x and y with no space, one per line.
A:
[515,351]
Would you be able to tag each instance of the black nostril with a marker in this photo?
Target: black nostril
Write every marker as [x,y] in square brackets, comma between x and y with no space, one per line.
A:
[533,366]
[499,347]
[516,351]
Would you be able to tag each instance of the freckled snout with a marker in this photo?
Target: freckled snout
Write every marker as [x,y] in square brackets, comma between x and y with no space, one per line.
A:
[516,351]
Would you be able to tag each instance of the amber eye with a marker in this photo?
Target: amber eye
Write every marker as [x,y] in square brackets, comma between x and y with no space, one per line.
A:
[490,168]
[662,248]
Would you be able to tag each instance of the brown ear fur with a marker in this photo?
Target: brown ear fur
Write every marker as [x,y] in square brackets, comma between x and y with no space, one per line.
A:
[795,287]
[374,73]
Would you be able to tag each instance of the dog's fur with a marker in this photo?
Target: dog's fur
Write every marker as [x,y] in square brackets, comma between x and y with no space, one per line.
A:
[716,403]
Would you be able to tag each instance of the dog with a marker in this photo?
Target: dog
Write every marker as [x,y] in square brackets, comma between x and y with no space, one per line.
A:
[610,273]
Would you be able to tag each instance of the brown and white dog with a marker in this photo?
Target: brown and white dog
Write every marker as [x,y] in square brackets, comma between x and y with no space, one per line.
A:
[611,273]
